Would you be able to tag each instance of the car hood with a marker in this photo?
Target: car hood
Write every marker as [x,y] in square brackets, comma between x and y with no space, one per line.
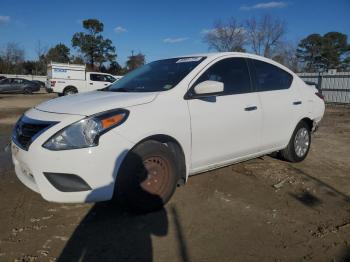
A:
[95,102]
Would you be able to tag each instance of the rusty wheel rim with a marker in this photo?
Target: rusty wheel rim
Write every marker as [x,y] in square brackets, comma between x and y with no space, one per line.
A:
[157,175]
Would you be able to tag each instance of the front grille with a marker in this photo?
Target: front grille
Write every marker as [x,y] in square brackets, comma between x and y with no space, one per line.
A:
[27,130]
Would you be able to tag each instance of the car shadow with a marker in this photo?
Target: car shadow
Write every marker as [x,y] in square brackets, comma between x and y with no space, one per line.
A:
[307,199]
[110,233]
[320,184]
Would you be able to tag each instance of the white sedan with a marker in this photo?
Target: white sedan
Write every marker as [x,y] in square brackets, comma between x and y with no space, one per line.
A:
[135,140]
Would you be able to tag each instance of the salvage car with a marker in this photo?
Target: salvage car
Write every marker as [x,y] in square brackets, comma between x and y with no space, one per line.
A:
[136,140]
[18,85]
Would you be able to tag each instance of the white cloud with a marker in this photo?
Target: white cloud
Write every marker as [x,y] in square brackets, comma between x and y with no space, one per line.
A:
[4,19]
[208,31]
[228,30]
[171,40]
[120,29]
[267,5]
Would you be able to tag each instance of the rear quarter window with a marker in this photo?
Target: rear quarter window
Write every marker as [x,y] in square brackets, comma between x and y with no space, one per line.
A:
[98,77]
[269,77]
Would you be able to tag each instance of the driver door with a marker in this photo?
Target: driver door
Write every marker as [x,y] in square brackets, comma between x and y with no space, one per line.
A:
[17,84]
[228,126]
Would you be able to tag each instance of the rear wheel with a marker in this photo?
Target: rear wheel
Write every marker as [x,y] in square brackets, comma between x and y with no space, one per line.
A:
[299,144]
[147,178]
[27,91]
[70,91]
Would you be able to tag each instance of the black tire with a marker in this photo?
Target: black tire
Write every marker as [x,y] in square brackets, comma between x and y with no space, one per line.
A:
[147,177]
[291,152]
[70,90]
[27,91]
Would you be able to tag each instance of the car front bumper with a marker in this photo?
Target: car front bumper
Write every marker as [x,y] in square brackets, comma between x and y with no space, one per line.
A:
[96,166]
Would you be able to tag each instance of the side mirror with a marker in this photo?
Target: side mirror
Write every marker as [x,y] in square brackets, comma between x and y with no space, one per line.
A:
[209,88]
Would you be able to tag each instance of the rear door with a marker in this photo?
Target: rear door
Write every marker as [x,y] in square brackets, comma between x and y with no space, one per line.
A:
[280,101]
[227,126]
[18,84]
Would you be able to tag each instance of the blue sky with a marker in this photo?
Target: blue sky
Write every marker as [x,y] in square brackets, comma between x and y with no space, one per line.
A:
[158,28]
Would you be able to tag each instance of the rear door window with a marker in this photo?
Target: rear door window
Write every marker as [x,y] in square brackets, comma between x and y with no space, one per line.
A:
[98,77]
[18,81]
[269,77]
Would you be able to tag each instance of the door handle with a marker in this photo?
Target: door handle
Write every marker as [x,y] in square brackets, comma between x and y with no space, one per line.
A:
[297,103]
[251,108]
[91,83]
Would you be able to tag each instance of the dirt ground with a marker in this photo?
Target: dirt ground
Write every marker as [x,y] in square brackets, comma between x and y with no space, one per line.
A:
[260,210]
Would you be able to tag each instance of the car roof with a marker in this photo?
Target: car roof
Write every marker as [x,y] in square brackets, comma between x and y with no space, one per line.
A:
[99,73]
[215,55]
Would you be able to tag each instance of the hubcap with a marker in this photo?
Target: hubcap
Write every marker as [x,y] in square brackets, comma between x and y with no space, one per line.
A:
[157,175]
[301,142]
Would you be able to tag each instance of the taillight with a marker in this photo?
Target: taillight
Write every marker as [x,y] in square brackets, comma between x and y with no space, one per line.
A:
[52,83]
[319,95]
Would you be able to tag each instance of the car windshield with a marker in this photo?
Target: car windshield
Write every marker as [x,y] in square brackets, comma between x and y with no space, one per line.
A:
[156,76]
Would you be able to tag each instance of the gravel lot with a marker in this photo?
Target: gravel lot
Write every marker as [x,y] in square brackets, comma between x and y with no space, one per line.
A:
[260,210]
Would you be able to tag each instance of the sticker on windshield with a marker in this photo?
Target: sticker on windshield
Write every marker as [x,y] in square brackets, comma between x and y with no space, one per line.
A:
[189,59]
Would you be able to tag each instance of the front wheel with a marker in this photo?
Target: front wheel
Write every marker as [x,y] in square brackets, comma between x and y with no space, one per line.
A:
[147,178]
[299,144]
[70,91]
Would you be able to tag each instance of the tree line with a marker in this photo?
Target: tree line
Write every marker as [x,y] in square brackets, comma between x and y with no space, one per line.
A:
[264,36]
[92,49]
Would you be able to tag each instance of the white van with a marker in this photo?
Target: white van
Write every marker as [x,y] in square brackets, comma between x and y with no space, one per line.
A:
[67,79]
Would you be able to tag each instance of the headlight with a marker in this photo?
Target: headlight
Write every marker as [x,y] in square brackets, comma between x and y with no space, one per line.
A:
[86,132]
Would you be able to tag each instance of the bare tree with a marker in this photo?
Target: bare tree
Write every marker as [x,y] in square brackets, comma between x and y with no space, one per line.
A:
[135,61]
[40,50]
[265,34]
[12,57]
[226,37]
[40,65]
[285,54]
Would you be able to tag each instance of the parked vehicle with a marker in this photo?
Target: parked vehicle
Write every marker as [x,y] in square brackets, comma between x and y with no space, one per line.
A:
[68,79]
[18,85]
[138,138]
[2,77]
[40,83]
